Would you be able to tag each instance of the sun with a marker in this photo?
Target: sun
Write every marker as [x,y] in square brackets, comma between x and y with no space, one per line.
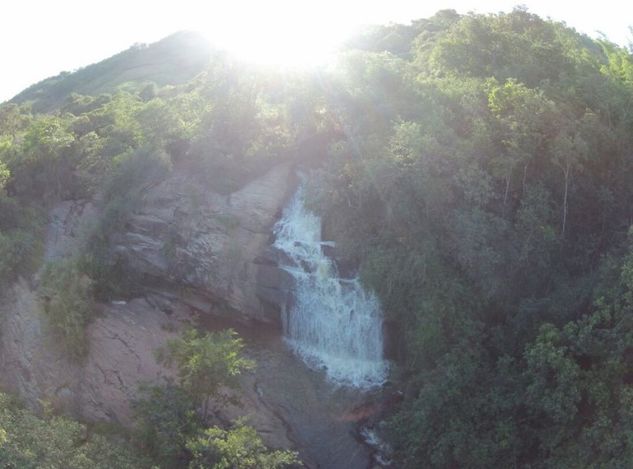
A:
[275,45]
[288,35]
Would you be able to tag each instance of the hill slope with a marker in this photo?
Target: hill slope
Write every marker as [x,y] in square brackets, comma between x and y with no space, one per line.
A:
[173,60]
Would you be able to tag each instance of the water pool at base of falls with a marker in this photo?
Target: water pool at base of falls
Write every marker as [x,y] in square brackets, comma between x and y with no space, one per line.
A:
[333,323]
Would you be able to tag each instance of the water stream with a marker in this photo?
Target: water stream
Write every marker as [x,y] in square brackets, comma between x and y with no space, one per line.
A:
[333,323]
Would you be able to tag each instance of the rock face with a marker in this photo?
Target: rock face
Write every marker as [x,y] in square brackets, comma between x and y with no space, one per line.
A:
[122,343]
[215,245]
[66,227]
[219,248]
[183,235]
[123,340]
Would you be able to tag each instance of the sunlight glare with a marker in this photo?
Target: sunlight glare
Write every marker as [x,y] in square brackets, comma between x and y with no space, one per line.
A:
[282,33]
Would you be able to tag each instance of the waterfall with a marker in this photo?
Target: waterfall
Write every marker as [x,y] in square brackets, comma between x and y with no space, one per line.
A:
[333,323]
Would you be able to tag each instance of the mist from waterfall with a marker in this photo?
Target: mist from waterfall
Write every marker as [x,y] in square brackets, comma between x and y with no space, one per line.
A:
[333,324]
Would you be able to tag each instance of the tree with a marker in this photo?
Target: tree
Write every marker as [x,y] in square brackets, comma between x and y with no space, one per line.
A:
[42,161]
[13,119]
[68,304]
[4,176]
[206,363]
[521,116]
[31,442]
[569,150]
[238,448]
[166,419]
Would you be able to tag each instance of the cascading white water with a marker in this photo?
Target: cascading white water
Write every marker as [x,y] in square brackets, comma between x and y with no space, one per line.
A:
[333,323]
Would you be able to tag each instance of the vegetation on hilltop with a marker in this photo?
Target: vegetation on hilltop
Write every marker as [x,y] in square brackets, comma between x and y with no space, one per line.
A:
[173,60]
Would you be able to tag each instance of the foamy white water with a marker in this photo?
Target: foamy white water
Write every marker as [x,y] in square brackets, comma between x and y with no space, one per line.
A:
[334,323]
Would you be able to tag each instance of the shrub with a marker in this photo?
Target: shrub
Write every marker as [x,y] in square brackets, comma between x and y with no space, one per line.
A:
[238,448]
[134,173]
[166,418]
[206,363]
[68,304]
[31,442]
[19,244]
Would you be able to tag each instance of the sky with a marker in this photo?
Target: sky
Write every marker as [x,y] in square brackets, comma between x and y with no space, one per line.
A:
[39,39]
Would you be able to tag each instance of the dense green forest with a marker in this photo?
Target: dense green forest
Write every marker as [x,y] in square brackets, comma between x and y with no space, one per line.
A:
[478,169]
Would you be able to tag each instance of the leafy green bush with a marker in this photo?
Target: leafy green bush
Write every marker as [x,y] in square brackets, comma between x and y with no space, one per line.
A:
[238,448]
[170,419]
[206,363]
[19,239]
[170,430]
[133,174]
[31,442]
[166,417]
[16,250]
[67,296]
[4,175]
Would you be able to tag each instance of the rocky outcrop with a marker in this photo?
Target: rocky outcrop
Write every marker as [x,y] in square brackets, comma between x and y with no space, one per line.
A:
[67,226]
[274,285]
[183,235]
[214,245]
[123,341]
[218,247]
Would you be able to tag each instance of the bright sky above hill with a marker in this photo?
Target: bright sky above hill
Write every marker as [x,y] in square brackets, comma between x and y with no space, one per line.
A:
[39,39]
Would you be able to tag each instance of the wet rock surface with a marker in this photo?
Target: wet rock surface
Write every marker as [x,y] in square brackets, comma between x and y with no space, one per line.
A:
[318,416]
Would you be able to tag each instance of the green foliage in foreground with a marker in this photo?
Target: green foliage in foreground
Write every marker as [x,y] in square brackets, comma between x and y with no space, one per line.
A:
[207,363]
[567,401]
[170,420]
[171,431]
[31,442]
[170,427]
[166,418]
[238,448]
[68,304]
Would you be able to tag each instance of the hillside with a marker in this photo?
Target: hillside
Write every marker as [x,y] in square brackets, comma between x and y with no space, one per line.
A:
[170,61]
[463,208]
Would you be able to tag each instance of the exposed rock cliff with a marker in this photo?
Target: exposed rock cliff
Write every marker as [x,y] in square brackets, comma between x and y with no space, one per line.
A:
[122,343]
[214,245]
[121,357]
